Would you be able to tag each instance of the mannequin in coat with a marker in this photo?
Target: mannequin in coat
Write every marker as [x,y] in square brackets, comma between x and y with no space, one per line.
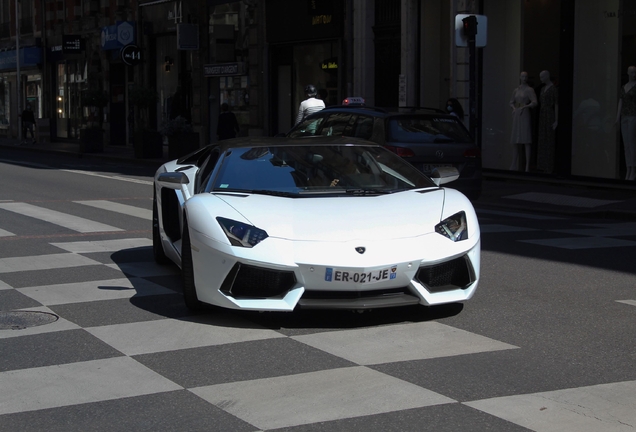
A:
[523,98]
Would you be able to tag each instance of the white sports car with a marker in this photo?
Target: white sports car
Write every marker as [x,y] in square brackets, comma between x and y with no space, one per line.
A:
[272,224]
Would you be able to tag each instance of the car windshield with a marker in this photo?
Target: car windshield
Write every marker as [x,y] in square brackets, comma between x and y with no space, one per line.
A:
[309,170]
[419,129]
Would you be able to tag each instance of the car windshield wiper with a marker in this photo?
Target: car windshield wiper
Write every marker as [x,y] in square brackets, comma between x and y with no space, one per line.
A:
[361,191]
[272,192]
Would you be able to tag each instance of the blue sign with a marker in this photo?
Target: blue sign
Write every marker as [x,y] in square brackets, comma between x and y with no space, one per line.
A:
[29,56]
[118,36]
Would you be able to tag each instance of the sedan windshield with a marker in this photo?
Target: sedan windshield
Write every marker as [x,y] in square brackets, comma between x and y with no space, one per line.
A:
[307,170]
[418,129]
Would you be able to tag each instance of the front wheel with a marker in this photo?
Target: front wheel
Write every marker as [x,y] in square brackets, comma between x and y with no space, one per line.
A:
[187,272]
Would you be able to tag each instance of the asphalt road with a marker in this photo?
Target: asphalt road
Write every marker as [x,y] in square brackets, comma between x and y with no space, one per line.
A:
[547,343]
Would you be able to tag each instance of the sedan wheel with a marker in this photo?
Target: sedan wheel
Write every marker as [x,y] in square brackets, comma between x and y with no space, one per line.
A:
[187,272]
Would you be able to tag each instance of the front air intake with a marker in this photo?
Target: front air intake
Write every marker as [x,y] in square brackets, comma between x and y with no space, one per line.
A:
[447,276]
[245,281]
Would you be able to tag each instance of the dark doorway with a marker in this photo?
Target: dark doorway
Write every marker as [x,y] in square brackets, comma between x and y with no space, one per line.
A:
[117,104]
[387,31]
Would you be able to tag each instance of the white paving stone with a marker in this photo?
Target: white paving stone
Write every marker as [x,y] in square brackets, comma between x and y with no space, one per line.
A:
[629,302]
[75,383]
[104,245]
[44,262]
[4,233]
[172,334]
[4,285]
[317,396]
[604,407]
[401,343]
[119,208]
[80,292]
[65,220]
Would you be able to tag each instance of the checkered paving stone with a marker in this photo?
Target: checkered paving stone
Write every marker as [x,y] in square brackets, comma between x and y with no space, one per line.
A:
[125,354]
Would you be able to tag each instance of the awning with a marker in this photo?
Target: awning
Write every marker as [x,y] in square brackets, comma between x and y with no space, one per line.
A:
[29,56]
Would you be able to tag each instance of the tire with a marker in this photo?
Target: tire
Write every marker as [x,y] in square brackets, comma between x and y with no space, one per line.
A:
[157,248]
[187,272]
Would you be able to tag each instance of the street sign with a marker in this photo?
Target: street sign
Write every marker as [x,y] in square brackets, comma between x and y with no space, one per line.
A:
[131,55]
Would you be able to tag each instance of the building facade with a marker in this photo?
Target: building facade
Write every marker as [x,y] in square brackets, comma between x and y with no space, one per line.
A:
[258,55]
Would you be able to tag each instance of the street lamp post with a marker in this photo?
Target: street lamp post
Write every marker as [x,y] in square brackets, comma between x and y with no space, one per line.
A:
[17,62]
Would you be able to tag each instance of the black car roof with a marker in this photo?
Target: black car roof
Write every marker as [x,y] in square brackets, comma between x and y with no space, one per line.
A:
[249,142]
[386,111]
[317,140]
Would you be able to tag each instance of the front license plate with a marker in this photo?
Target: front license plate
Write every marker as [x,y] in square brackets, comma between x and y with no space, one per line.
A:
[335,275]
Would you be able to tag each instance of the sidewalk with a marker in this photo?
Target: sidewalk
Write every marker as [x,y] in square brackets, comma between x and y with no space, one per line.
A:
[111,152]
[502,190]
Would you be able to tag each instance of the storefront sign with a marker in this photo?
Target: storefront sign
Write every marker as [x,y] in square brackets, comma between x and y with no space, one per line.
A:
[223,69]
[131,55]
[176,13]
[29,56]
[329,64]
[321,19]
[118,36]
[72,44]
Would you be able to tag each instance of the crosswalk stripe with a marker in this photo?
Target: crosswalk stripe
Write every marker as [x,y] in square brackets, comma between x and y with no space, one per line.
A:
[44,262]
[119,208]
[58,218]
[103,245]
[94,174]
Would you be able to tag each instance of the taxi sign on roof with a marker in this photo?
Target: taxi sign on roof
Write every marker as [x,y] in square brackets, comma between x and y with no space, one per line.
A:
[353,100]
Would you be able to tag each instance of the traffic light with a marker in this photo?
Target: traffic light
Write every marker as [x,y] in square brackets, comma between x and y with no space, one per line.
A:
[470,26]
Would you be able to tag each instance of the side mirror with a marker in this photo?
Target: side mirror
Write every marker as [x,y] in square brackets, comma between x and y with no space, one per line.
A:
[172,180]
[176,181]
[443,175]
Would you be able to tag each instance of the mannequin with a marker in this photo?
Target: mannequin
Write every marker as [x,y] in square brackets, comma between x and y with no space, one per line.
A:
[548,121]
[523,97]
[626,119]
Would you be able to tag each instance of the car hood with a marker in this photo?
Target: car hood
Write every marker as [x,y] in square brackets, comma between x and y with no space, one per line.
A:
[399,215]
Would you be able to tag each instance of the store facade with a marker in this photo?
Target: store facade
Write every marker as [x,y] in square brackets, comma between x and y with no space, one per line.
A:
[30,91]
[587,46]
[306,46]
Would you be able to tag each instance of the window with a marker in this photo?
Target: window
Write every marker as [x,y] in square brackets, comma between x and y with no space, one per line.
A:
[338,123]
[363,128]
[307,128]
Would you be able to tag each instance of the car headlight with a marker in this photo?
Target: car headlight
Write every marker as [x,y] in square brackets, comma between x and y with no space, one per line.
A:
[241,234]
[454,227]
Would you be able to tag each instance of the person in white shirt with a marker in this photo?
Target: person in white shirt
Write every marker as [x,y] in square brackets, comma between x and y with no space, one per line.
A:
[309,105]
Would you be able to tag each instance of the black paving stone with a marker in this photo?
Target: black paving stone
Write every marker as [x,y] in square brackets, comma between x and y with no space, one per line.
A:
[170,411]
[52,348]
[123,311]
[242,361]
